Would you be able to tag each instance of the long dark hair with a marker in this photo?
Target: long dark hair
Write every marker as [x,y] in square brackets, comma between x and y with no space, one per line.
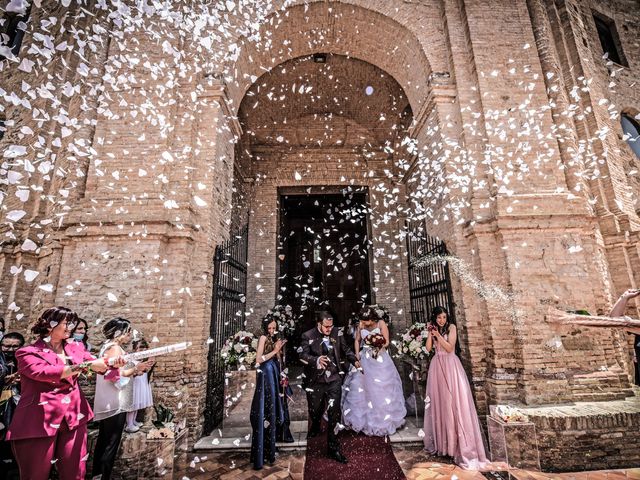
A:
[116,327]
[445,328]
[50,318]
[85,340]
[433,319]
[266,321]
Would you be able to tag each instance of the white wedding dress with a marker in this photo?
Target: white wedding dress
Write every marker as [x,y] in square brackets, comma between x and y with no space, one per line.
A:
[373,401]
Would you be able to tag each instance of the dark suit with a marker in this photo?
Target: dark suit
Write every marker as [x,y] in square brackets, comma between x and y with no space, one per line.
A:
[325,385]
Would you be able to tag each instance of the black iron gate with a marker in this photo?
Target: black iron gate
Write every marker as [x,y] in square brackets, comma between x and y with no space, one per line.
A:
[429,279]
[227,316]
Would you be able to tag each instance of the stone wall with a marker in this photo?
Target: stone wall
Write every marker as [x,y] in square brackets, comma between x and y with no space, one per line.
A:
[598,435]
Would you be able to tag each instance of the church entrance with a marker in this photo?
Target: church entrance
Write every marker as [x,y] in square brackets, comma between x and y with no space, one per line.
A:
[324,253]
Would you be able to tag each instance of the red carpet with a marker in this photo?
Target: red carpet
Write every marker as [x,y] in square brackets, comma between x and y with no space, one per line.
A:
[370,458]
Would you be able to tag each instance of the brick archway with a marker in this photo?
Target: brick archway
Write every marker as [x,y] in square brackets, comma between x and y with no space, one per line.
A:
[343,28]
[322,123]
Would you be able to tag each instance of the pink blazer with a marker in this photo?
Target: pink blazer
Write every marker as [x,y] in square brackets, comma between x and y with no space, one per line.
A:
[46,400]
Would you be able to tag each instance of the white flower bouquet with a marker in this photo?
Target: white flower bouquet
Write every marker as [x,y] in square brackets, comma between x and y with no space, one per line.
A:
[240,350]
[413,342]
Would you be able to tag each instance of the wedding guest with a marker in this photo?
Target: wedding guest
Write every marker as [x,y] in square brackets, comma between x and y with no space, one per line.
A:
[3,367]
[142,396]
[451,423]
[618,311]
[114,396]
[9,397]
[50,422]
[269,410]
[81,334]
[372,398]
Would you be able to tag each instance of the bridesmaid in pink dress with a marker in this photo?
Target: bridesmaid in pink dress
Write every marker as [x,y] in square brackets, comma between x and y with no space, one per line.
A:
[451,423]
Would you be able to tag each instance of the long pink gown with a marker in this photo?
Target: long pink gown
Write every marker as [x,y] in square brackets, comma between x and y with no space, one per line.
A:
[451,425]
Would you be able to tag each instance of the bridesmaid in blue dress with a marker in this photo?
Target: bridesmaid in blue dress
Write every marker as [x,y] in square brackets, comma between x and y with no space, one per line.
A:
[269,410]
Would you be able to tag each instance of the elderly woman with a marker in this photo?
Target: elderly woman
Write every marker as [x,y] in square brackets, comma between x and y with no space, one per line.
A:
[50,422]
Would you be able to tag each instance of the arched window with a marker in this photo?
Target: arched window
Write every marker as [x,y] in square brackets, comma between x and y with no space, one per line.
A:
[13,25]
[631,130]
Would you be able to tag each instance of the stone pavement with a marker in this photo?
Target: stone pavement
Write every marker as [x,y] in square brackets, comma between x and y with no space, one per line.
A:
[415,462]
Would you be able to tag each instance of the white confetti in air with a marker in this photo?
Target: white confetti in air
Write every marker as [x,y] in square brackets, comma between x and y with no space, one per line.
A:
[29,245]
[199,201]
[30,275]
[112,297]
[13,151]
[15,215]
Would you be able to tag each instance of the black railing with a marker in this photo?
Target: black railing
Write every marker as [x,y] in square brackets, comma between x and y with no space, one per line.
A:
[227,316]
[429,281]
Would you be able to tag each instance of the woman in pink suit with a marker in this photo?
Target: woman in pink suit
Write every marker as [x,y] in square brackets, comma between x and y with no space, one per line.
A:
[451,424]
[50,422]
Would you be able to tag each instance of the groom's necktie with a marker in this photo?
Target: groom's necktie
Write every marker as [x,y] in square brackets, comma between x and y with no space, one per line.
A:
[329,351]
[325,345]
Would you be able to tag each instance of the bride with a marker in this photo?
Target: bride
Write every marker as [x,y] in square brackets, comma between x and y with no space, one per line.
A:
[372,398]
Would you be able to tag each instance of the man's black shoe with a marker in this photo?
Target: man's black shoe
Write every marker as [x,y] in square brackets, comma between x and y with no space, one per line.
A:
[338,457]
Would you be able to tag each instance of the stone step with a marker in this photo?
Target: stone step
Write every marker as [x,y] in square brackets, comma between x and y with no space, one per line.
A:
[239,438]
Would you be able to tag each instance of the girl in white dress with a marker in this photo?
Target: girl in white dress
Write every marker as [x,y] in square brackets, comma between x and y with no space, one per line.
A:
[372,398]
[142,396]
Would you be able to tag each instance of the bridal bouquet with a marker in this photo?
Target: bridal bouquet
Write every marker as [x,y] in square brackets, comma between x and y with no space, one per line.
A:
[240,350]
[283,314]
[375,342]
[413,342]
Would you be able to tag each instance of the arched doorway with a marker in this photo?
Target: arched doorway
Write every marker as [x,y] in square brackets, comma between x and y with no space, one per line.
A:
[322,144]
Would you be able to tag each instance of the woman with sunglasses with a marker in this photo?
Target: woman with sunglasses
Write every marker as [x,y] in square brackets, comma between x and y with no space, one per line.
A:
[50,422]
[114,396]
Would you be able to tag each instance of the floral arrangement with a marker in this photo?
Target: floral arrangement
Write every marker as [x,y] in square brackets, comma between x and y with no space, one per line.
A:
[510,414]
[240,350]
[283,314]
[374,342]
[413,342]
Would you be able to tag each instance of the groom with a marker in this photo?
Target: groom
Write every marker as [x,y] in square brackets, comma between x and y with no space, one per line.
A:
[323,352]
